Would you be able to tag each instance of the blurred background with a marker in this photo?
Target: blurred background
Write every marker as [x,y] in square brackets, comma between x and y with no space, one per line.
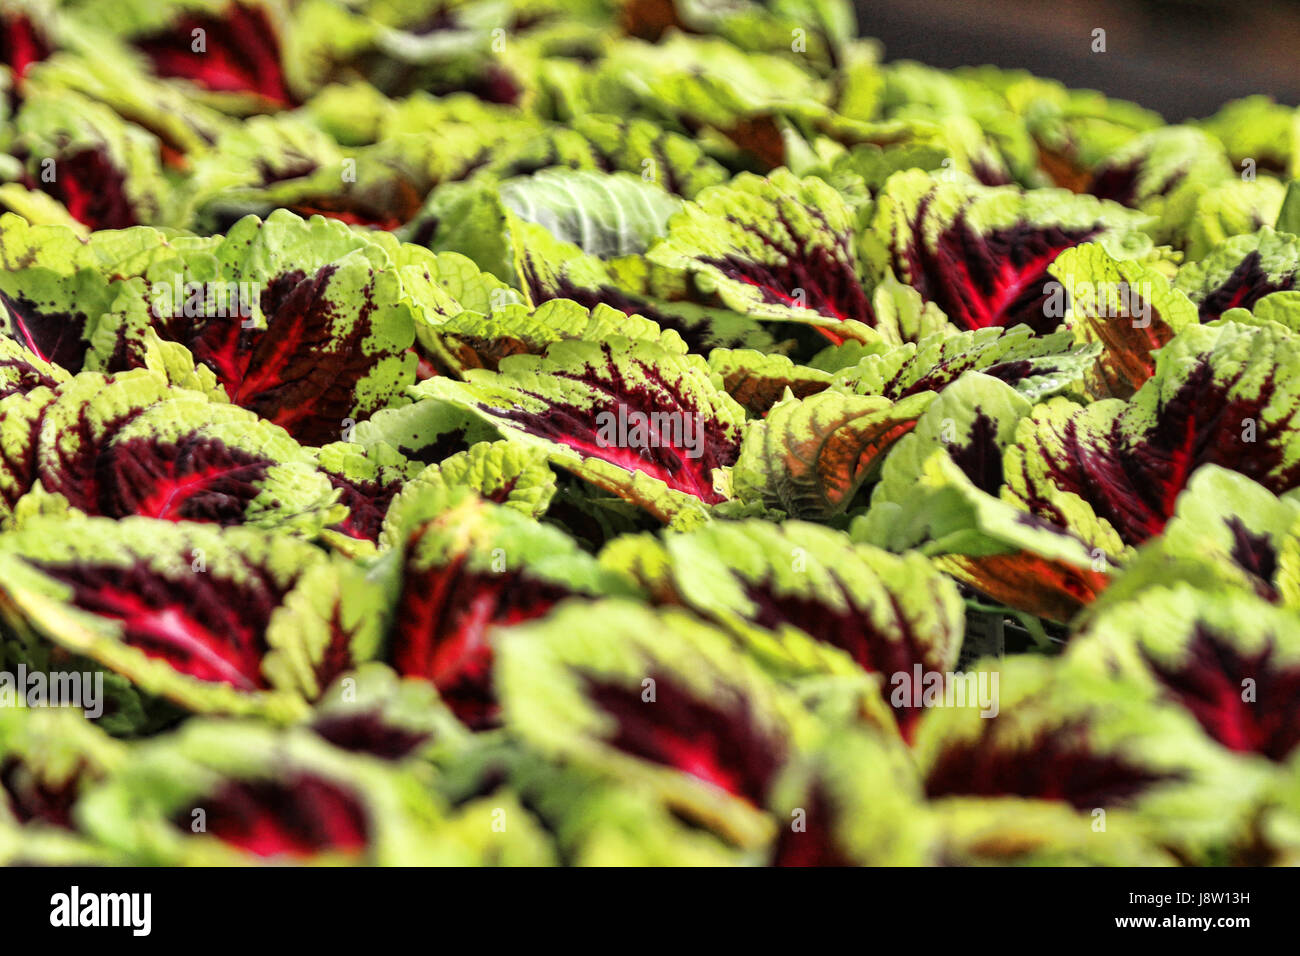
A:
[1183,58]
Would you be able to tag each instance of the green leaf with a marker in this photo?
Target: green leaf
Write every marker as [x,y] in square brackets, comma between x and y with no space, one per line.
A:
[810,456]
[637,419]
[605,215]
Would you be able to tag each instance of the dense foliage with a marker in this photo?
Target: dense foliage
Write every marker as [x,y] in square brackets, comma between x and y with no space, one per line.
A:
[645,432]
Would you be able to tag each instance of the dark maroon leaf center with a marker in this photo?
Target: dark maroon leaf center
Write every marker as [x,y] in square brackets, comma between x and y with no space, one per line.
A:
[1118,182]
[92,188]
[1247,284]
[1133,484]
[21,43]
[717,740]
[1247,702]
[301,371]
[980,456]
[1056,763]
[367,732]
[236,52]
[55,337]
[660,449]
[297,816]
[444,621]
[202,624]
[367,503]
[34,800]
[816,843]
[194,479]
[993,278]
[805,275]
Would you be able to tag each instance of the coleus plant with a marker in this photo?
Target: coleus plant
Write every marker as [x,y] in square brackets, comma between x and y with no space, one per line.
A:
[696,446]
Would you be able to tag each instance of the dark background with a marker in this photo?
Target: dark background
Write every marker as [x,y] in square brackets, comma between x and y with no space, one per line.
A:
[1183,58]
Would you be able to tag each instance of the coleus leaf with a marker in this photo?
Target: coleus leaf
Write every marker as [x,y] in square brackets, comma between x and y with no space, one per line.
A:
[104,70]
[440,287]
[467,218]
[1241,271]
[126,253]
[902,315]
[74,301]
[501,472]
[468,340]
[757,27]
[131,445]
[986,135]
[1219,395]
[240,57]
[1257,129]
[1073,131]
[48,758]
[860,804]
[427,431]
[25,41]
[55,316]
[593,820]
[636,145]
[981,253]
[707,87]
[1200,215]
[176,364]
[73,404]
[443,284]
[776,248]
[325,338]
[441,50]
[758,381]
[1036,366]
[22,370]
[103,170]
[1007,831]
[632,417]
[657,698]
[373,711]
[1277,308]
[810,456]
[20,418]
[550,269]
[549,146]
[285,161]
[877,150]
[1125,306]
[604,214]
[1227,535]
[330,622]
[368,477]
[188,612]
[776,587]
[1090,742]
[941,491]
[1153,164]
[1231,661]
[468,568]
[268,162]
[532,845]
[120,708]
[237,792]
